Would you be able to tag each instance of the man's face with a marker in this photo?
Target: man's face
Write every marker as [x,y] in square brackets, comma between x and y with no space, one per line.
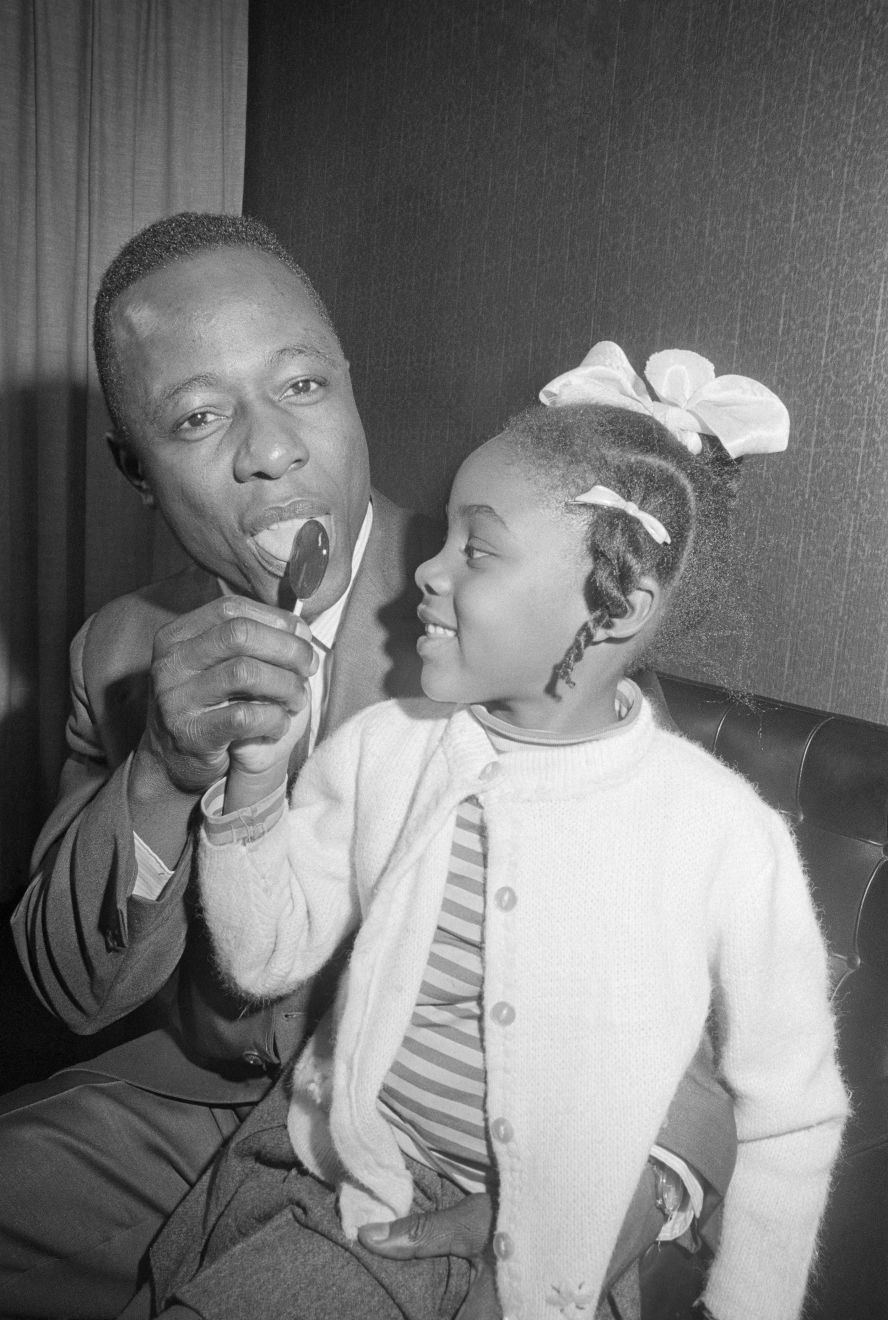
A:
[241,417]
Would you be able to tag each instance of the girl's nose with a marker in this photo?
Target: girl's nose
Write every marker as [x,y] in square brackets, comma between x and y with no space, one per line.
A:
[270,445]
[431,577]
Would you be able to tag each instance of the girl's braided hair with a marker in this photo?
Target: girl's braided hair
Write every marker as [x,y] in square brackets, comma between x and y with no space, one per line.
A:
[572,447]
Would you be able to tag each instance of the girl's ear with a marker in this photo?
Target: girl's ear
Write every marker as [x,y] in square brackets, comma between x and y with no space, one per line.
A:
[128,463]
[645,602]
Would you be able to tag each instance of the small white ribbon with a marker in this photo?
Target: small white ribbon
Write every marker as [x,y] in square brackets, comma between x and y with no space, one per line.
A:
[609,499]
[745,416]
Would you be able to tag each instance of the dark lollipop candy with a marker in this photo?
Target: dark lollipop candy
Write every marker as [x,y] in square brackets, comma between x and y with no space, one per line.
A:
[308,560]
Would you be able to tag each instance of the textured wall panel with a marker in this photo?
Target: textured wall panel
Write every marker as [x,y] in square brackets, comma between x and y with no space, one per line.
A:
[481,190]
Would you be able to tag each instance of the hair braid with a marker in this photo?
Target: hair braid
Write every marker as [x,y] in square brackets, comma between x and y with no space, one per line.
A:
[570,448]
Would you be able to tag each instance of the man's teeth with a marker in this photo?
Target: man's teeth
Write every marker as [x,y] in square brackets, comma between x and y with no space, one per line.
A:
[278,539]
[438,630]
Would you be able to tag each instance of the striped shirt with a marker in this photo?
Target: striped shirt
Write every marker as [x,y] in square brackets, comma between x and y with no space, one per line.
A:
[434,1092]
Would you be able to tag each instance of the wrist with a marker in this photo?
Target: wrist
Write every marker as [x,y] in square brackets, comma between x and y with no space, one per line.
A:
[160,773]
[244,788]
[159,811]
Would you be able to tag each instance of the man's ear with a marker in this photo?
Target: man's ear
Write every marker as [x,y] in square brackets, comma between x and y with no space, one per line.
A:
[645,602]
[128,463]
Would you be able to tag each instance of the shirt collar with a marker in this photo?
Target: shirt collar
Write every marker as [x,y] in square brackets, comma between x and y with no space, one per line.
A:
[325,627]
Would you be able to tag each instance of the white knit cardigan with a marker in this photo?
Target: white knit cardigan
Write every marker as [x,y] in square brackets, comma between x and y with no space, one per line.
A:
[651,881]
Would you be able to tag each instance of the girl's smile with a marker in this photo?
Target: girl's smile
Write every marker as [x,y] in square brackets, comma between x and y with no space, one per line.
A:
[434,630]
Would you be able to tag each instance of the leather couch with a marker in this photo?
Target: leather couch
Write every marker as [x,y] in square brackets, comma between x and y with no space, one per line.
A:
[829,775]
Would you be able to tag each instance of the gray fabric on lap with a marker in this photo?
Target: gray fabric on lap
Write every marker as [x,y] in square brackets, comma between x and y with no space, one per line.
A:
[260,1236]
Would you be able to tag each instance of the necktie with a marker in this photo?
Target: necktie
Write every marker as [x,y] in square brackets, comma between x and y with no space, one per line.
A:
[299,754]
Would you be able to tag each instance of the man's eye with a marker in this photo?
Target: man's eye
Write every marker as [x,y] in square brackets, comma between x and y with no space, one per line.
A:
[304,386]
[196,420]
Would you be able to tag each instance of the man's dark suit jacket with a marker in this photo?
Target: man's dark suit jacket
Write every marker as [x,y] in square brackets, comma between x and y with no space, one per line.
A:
[92,952]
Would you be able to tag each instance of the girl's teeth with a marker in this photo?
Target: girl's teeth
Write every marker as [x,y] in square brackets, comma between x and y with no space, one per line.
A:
[436,630]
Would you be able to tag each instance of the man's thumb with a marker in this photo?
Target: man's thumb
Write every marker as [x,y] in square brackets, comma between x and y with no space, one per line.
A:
[461,1230]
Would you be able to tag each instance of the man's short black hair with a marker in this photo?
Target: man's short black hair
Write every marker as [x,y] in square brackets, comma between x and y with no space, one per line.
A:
[160,244]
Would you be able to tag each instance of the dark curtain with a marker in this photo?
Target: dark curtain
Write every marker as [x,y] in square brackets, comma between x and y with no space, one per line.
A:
[114,112]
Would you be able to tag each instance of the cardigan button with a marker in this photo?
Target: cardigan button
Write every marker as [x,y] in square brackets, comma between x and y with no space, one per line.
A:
[490,771]
[502,1129]
[505,898]
[503,1246]
[502,1013]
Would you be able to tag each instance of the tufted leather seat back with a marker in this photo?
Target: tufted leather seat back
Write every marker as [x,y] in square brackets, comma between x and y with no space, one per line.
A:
[829,775]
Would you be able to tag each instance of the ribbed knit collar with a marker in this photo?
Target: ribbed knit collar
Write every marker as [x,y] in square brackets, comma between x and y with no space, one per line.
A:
[533,771]
[508,737]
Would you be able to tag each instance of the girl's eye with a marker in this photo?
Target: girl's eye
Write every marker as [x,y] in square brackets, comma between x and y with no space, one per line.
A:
[473,551]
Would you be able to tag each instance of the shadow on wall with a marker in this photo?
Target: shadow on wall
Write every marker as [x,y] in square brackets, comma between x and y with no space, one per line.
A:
[74,535]
[41,594]
[20,799]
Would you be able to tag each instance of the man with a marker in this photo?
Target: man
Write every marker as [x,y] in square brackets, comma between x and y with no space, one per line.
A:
[233,414]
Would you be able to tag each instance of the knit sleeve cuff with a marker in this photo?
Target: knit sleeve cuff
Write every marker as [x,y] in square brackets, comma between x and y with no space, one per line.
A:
[247,823]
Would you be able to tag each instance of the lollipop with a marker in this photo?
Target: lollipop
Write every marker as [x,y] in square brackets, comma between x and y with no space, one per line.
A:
[308,561]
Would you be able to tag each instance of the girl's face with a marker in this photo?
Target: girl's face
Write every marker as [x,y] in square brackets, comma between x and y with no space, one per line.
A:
[503,599]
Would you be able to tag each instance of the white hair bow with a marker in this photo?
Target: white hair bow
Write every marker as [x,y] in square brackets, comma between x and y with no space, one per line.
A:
[746,417]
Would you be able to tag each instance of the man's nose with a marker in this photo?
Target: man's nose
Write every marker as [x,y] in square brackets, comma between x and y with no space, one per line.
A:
[271,443]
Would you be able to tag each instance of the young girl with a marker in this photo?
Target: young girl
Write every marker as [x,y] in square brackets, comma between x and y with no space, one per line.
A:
[552,893]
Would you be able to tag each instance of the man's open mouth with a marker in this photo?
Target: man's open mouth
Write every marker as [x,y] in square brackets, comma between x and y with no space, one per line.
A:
[274,543]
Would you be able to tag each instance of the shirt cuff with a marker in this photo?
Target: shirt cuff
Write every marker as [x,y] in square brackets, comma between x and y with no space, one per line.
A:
[245,824]
[152,874]
[680,1210]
